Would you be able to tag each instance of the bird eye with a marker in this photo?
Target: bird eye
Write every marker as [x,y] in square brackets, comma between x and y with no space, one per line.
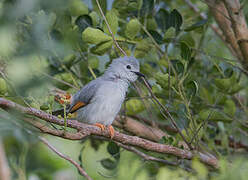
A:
[128,67]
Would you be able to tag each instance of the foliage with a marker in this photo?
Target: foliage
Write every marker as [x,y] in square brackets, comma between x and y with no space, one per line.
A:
[45,44]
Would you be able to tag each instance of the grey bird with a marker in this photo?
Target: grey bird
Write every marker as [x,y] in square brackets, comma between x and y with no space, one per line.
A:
[99,101]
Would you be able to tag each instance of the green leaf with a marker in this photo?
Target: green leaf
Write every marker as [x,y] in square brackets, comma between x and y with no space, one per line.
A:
[44,107]
[77,8]
[185,51]
[178,65]
[83,22]
[95,36]
[114,150]
[156,36]
[147,7]
[230,107]
[103,5]
[132,29]
[108,164]
[112,19]
[197,25]
[95,18]
[93,61]
[3,86]
[169,34]
[68,60]
[192,88]
[176,20]
[165,20]
[187,39]
[101,48]
[134,106]
[214,115]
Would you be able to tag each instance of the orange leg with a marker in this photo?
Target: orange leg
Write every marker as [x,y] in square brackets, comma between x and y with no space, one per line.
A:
[111,131]
[101,126]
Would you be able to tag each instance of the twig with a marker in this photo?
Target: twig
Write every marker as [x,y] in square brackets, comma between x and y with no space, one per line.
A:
[4,167]
[167,112]
[145,156]
[59,80]
[80,169]
[87,129]
[113,37]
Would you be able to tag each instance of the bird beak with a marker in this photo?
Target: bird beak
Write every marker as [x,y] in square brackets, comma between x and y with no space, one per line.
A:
[139,74]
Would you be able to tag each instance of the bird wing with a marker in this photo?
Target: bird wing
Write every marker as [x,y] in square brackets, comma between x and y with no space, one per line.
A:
[84,96]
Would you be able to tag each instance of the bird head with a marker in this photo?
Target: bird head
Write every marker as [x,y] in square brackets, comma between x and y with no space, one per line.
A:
[125,68]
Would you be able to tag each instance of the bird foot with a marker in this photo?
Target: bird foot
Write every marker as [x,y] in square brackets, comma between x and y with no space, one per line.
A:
[110,128]
[111,131]
[101,126]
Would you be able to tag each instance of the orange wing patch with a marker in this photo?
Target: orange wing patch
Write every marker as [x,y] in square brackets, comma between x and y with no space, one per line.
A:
[77,106]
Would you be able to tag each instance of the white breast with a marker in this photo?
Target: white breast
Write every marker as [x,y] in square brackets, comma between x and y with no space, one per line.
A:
[105,105]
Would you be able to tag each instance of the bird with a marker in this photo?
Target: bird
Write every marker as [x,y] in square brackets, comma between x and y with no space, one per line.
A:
[99,101]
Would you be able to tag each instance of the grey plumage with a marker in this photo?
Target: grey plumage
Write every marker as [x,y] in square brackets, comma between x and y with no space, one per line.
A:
[104,96]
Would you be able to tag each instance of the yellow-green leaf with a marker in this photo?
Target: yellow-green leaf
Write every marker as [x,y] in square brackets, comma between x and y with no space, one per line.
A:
[94,36]
[101,48]
[230,107]
[132,28]
[3,86]
[134,106]
[112,19]
[77,8]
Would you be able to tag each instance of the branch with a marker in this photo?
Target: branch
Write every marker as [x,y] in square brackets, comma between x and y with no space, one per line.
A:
[86,129]
[214,28]
[239,27]
[220,13]
[80,169]
[4,167]
[113,37]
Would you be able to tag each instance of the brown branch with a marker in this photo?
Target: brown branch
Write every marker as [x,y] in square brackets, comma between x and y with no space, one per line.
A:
[4,167]
[109,29]
[145,156]
[87,129]
[217,31]
[239,26]
[80,169]
[220,13]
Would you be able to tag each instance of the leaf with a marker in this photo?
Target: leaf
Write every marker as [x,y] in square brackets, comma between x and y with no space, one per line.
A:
[3,86]
[77,8]
[132,29]
[156,36]
[112,19]
[176,20]
[185,51]
[94,36]
[165,20]
[147,7]
[178,65]
[44,107]
[230,107]
[83,22]
[214,115]
[166,140]
[187,39]
[134,106]
[101,48]
[169,34]
[114,150]
[197,25]
[108,164]
[93,61]
[95,18]
[103,5]
[192,88]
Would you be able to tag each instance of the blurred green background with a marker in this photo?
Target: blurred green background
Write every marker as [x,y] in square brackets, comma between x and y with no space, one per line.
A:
[49,44]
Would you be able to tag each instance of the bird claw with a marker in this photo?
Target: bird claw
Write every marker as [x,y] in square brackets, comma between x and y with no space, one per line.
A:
[111,131]
[101,126]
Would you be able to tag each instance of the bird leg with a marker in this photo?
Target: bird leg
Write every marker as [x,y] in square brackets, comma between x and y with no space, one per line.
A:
[101,126]
[111,131]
